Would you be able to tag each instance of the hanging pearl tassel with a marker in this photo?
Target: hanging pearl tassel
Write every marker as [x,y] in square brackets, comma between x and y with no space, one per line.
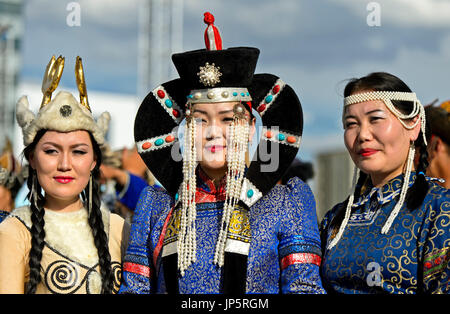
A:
[187,243]
[348,210]
[238,133]
[403,192]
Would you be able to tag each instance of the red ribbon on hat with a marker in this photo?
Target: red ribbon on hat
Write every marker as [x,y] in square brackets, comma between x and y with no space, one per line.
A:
[213,41]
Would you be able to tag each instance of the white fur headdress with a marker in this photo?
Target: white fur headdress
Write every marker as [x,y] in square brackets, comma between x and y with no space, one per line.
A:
[64,113]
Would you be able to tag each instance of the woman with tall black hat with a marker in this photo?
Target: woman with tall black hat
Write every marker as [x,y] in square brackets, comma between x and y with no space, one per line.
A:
[221,225]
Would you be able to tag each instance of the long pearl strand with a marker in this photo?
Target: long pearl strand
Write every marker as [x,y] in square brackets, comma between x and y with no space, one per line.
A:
[187,243]
[348,210]
[404,190]
[238,134]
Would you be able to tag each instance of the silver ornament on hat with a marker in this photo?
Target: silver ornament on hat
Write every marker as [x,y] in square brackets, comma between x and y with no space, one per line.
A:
[209,74]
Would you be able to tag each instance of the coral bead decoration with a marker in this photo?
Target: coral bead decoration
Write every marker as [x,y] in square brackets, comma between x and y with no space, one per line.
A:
[291,139]
[170,138]
[146,145]
[161,93]
[276,89]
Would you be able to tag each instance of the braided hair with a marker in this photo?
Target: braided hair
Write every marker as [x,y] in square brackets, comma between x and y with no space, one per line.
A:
[95,220]
[382,81]
[37,220]
[96,223]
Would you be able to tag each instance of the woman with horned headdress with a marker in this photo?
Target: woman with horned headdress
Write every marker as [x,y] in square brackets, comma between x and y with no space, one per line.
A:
[392,234]
[65,241]
[221,225]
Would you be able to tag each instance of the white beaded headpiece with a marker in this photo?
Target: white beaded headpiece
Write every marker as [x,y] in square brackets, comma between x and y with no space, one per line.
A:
[386,97]
[236,149]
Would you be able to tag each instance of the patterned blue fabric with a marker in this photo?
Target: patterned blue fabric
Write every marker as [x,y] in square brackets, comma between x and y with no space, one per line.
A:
[282,222]
[3,215]
[411,258]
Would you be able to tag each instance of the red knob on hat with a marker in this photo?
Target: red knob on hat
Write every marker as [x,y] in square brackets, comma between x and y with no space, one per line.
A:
[213,41]
[209,18]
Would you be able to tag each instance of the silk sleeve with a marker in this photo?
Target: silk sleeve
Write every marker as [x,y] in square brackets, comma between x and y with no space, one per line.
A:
[137,266]
[299,246]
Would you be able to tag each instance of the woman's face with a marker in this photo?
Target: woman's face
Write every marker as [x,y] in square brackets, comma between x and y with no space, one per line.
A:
[376,140]
[213,121]
[63,163]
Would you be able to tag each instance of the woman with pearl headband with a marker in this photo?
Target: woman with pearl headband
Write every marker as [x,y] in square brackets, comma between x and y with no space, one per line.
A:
[221,225]
[392,233]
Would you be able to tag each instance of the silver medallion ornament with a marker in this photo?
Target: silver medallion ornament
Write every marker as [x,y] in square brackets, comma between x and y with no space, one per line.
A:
[65,111]
[209,74]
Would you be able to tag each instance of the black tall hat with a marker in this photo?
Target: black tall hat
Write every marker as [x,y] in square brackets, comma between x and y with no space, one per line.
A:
[212,76]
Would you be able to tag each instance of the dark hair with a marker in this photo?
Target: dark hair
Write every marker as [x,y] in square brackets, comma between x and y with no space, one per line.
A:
[382,81]
[95,222]
[300,169]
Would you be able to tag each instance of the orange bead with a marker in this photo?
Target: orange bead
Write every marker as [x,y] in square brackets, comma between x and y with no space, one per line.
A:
[291,139]
[170,138]
[269,134]
[146,145]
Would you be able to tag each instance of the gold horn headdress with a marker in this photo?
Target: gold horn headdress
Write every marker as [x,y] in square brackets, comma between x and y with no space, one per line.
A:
[63,113]
[81,84]
[51,79]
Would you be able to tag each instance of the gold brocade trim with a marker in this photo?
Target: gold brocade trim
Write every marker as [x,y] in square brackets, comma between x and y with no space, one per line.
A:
[239,227]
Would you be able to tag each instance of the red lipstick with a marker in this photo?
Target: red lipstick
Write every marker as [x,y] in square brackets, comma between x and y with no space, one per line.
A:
[367,152]
[214,148]
[63,179]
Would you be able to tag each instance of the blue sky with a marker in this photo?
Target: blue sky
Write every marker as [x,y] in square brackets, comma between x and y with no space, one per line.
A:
[314,46]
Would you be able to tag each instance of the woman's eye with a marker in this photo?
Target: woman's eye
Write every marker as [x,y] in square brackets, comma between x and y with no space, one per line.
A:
[199,120]
[375,118]
[50,151]
[79,152]
[228,119]
[349,124]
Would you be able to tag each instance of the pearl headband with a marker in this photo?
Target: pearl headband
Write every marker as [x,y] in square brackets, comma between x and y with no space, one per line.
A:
[387,97]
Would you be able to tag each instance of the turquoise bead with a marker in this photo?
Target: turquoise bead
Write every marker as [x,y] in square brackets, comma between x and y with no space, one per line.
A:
[176,197]
[159,142]
[281,137]
[235,94]
[250,193]
[168,103]
[242,94]
[268,99]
